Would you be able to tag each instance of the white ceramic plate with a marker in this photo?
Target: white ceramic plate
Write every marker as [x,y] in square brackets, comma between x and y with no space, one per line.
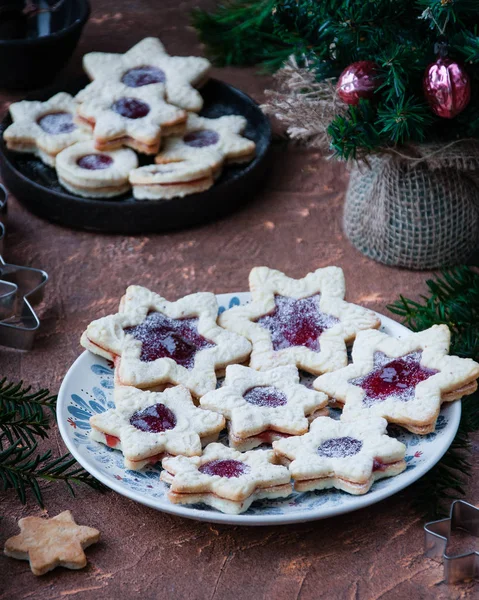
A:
[87,389]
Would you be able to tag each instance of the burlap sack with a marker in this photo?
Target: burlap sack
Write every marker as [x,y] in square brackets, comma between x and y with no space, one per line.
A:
[419,210]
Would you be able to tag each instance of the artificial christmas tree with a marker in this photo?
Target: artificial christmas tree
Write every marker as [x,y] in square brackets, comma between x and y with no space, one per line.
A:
[394,85]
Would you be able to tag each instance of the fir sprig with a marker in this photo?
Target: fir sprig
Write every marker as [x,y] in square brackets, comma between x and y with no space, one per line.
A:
[22,423]
[454,300]
[21,468]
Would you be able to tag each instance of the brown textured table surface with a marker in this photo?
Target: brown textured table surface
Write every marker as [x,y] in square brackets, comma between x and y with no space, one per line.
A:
[294,225]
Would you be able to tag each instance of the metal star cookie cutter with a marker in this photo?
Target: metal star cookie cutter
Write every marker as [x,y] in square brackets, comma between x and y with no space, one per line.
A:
[463,516]
[20,287]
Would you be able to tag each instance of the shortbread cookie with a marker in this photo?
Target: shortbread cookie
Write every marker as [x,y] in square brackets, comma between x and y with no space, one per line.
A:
[44,128]
[147,65]
[166,342]
[91,173]
[225,479]
[175,180]
[264,406]
[202,135]
[345,456]
[136,118]
[51,543]
[147,426]
[403,380]
[302,322]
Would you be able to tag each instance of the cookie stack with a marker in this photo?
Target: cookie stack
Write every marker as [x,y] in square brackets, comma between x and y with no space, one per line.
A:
[168,406]
[144,101]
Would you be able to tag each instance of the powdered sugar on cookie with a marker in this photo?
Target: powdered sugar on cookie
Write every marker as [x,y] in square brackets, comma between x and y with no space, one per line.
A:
[166,342]
[225,479]
[343,455]
[304,322]
[264,406]
[147,65]
[44,128]
[403,380]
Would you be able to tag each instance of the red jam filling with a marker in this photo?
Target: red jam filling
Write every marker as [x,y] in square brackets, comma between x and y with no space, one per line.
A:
[265,396]
[153,419]
[56,123]
[378,465]
[162,337]
[95,162]
[296,322]
[144,75]
[131,108]
[201,139]
[111,440]
[225,468]
[396,377]
[340,447]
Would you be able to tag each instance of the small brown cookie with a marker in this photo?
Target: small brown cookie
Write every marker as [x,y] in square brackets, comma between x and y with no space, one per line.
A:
[51,543]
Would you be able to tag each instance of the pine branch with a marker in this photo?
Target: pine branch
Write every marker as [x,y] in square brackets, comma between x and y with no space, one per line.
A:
[22,468]
[404,119]
[454,300]
[355,130]
[241,32]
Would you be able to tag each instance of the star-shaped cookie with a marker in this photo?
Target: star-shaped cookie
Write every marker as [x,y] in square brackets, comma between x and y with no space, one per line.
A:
[44,128]
[262,406]
[203,136]
[302,322]
[148,65]
[403,380]
[348,456]
[225,479]
[50,543]
[136,118]
[166,342]
[147,425]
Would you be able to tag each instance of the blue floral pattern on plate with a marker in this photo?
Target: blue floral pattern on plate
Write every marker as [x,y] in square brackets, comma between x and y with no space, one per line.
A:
[88,390]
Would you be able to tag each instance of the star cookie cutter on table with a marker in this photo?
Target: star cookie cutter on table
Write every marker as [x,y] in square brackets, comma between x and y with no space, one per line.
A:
[20,288]
[457,567]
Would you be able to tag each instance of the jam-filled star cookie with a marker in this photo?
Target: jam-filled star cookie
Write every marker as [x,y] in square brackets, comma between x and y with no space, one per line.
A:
[91,173]
[146,426]
[302,322]
[202,135]
[174,180]
[166,342]
[403,380]
[225,479]
[135,118]
[147,65]
[44,128]
[51,543]
[345,456]
[263,406]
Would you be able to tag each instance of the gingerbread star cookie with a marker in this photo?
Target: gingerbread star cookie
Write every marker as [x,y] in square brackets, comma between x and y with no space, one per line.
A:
[146,426]
[174,180]
[263,406]
[44,128]
[166,342]
[88,172]
[345,456]
[51,543]
[202,136]
[403,380]
[135,118]
[302,322]
[225,479]
[147,65]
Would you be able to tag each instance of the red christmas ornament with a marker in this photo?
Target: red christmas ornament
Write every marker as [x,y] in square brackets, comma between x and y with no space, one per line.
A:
[447,87]
[359,80]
